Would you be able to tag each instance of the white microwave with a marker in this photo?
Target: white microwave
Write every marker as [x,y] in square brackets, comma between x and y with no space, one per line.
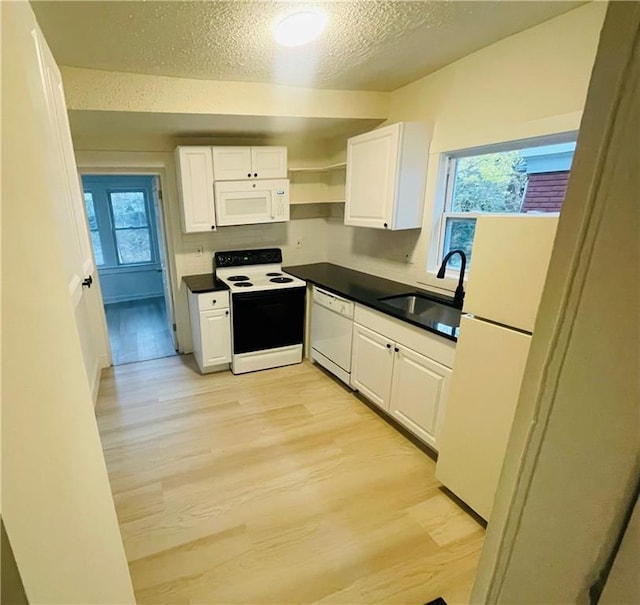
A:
[251,202]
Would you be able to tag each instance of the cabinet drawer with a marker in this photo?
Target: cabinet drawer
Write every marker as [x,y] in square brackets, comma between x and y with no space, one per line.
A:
[213,300]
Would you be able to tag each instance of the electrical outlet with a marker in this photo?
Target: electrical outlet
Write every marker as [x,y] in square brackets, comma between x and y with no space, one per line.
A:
[199,250]
[299,243]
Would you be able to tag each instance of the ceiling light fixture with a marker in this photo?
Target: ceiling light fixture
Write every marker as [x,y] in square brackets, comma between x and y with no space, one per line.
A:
[299,28]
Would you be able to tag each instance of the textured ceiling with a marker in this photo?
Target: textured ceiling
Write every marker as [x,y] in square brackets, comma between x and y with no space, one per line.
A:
[367,45]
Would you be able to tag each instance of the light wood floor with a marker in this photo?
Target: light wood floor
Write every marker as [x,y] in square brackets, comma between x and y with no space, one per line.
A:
[274,487]
[138,330]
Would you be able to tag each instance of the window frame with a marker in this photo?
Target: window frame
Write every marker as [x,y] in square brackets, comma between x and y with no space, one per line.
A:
[113,229]
[101,187]
[442,210]
[90,192]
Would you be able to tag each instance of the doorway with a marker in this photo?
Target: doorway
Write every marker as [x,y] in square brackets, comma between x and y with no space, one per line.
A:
[125,221]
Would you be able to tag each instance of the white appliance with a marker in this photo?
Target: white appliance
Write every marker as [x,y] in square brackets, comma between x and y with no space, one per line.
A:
[267,309]
[510,258]
[331,332]
[251,202]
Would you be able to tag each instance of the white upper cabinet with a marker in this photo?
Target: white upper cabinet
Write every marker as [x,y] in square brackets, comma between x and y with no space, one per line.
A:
[242,163]
[231,163]
[386,173]
[269,162]
[195,187]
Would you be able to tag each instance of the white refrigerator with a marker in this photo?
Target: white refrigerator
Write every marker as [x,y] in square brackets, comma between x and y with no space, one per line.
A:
[508,269]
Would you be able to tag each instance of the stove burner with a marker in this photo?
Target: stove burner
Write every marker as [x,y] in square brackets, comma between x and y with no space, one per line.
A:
[238,278]
[243,284]
[281,280]
[273,274]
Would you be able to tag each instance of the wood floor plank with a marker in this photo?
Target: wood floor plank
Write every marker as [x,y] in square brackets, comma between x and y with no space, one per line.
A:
[138,330]
[274,487]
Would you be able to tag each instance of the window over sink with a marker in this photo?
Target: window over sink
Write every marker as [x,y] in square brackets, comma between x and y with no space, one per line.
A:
[510,178]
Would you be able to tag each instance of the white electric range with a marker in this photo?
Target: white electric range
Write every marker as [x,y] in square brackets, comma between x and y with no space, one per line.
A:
[267,309]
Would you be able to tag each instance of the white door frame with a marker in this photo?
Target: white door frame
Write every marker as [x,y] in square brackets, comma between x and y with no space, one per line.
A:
[114,168]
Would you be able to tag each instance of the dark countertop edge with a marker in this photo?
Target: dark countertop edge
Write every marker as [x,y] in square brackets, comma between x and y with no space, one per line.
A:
[408,320]
[203,283]
[374,304]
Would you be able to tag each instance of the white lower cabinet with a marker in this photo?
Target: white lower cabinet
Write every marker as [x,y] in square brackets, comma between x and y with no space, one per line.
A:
[409,386]
[418,388]
[371,365]
[215,329]
[210,330]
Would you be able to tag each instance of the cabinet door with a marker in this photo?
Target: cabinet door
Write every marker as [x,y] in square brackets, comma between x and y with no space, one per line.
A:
[372,164]
[269,162]
[418,391]
[215,331]
[195,185]
[231,163]
[371,364]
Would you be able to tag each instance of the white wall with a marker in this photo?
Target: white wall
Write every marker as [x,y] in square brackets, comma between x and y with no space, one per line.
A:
[531,84]
[56,501]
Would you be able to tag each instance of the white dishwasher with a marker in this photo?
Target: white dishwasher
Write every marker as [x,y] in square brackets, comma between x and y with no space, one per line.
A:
[331,331]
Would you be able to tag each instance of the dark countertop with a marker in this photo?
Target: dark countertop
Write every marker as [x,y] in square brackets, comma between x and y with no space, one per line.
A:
[368,289]
[206,282]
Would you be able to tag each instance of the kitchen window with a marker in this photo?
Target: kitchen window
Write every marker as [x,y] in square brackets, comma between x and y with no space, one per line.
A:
[507,179]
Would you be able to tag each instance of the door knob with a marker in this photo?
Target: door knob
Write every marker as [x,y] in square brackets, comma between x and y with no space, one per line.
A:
[87,281]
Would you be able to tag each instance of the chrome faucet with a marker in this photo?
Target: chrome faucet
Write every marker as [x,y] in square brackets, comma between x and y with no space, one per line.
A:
[458,297]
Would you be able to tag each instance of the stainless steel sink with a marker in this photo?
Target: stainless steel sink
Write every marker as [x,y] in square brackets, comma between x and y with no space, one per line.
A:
[424,308]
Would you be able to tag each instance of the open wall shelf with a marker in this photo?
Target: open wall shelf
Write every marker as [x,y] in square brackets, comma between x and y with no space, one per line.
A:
[318,185]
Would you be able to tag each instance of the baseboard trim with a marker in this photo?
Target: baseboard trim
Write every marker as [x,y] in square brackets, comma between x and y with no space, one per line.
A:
[102,362]
[95,381]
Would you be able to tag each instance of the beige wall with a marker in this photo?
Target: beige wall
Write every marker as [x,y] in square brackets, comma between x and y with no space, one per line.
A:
[573,459]
[56,501]
[531,84]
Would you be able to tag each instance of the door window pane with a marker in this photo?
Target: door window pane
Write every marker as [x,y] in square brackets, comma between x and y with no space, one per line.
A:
[458,235]
[133,246]
[129,209]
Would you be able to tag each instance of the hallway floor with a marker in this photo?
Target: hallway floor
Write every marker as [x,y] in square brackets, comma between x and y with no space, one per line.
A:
[139,330]
[278,486]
